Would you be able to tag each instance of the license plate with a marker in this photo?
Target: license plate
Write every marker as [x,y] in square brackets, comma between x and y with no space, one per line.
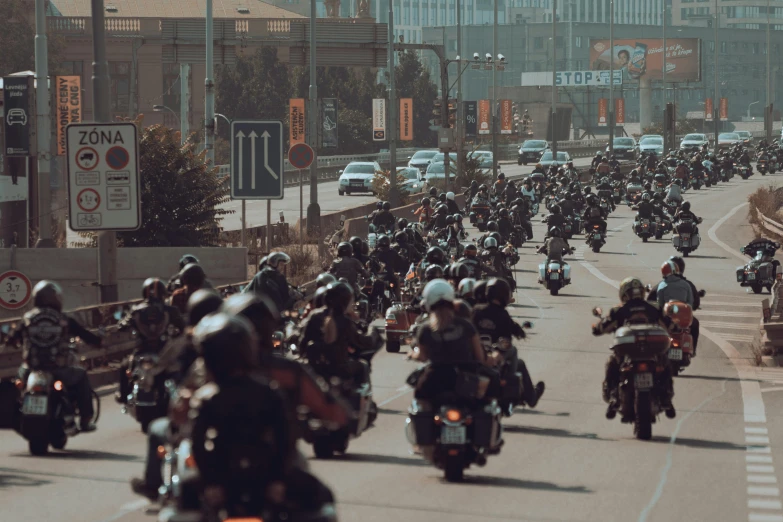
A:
[35,405]
[479,220]
[751,276]
[686,243]
[686,236]
[554,276]
[452,435]
[643,381]
[675,354]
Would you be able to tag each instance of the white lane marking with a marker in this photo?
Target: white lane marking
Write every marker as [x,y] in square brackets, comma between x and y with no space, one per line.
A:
[764,517]
[406,391]
[727,313]
[730,326]
[763,491]
[758,449]
[756,430]
[717,225]
[777,388]
[669,455]
[758,458]
[762,479]
[127,508]
[738,304]
[758,503]
[759,468]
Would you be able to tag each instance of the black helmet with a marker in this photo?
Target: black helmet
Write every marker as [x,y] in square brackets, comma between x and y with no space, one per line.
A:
[449,220]
[153,289]
[686,206]
[474,184]
[499,289]
[227,343]
[442,209]
[501,176]
[401,238]
[202,303]
[383,242]
[275,258]
[402,223]
[259,309]
[433,272]
[458,218]
[435,255]
[495,235]
[48,294]
[433,192]
[442,197]
[324,279]
[186,260]
[555,209]
[492,226]
[386,205]
[193,275]
[471,250]
[319,299]
[345,249]
[503,213]
[425,202]
[339,296]
[459,271]
[680,262]
[356,243]
[480,291]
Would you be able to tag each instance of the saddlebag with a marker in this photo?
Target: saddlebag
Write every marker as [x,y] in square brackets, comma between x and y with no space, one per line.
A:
[482,428]
[425,431]
[512,390]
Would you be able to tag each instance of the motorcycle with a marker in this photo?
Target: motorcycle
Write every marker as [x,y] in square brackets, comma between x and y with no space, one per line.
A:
[686,240]
[617,192]
[459,430]
[645,229]
[595,238]
[681,349]
[554,275]
[511,393]
[759,272]
[639,347]
[147,399]
[479,214]
[762,167]
[695,180]
[399,319]
[661,227]
[633,194]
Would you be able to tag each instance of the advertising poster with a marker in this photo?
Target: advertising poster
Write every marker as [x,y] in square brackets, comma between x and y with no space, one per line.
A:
[506,118]
[329,122]
[296,121]
[603,112]
[379,119]
[68,106]
[406,119]
[484,117]
[709,109]
[644,58]
[619,111]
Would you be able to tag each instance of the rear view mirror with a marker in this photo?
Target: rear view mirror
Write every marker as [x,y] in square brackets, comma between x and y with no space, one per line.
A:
[702,293]
[527,324]
[742,250]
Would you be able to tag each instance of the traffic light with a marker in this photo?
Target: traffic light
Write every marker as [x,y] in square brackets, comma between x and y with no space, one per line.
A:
[515,117]
[436,112]
[452,113]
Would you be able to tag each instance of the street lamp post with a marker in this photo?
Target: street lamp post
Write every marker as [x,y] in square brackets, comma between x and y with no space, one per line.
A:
[554,82]
[768,110]
[716,101]
[313,209]
[209,91]
[44,143]
[460,126]
[611,77]
[394,195]
[244,202]
[495,94]
[182,129]
[749,106]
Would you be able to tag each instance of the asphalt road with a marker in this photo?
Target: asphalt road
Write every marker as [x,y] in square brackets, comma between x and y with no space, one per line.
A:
[562,461]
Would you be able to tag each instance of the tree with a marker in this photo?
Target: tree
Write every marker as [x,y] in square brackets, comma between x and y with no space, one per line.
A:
[413,81]
[17,39]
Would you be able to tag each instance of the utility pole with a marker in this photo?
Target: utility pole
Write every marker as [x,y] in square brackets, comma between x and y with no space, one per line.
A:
[460,124]
[184,101]
[768,111]
[44,133]
[209,92]
[313,209]
[716,102]
[611,77]
[495,94]
[554,80]
[665,90]
[394,195]
[107,241]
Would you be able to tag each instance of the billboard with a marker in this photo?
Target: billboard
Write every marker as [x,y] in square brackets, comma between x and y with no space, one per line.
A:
[483,121]
[68,107]
[296,121]
[506,121]
[644,58]
[619,111]
[603,112]
[406,119]
[709,110]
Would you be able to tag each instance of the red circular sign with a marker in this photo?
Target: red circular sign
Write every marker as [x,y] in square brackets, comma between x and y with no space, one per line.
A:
[301,155]
[117,157]
[88,200]
[15,290]
[87,158]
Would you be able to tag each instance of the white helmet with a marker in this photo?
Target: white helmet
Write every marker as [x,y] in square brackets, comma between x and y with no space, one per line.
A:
[436,291]
[490,242]
[450,195]
[466,286]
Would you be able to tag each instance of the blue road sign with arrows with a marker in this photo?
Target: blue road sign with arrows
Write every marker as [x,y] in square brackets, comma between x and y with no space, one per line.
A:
[257,159]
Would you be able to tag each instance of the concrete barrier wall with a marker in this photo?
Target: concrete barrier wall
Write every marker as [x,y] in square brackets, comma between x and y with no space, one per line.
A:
[76,269]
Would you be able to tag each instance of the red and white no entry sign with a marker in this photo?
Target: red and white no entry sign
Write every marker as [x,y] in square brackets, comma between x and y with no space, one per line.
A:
[300,156]
[87,158]
[15,290]
[88,200]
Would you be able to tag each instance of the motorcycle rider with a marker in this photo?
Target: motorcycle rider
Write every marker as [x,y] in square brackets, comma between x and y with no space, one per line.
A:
[470,259]
[673,287]
[272,281]
[451,204]
[346,266]
[653,296]
[385,218]
[192,278]
[492,257]
[44,333]
[493,319]
[597,159]
[685,214]
[604,169]
[505,227]
[174,281]
[521,207]
[644,210]
[391,264]
[554,247]
[439,221]
[406,250]
[604,189]
[556,219]
[425,211]
[674,194]
[593,215]
[633,310]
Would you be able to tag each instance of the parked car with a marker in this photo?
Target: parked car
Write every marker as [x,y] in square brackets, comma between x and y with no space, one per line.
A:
[727,139]
[357,177]
[547,160]
[414,180]
[484,158]
[421,159]
[531,150]
[624,148]
[651,143]
[694,142]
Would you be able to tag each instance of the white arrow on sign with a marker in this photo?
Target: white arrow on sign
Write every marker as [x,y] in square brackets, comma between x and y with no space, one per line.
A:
[266,137]
[241,136]
[253,137]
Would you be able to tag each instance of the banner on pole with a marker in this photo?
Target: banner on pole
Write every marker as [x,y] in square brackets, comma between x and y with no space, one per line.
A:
[406,119]
[709,109]
[379,119]
[603,110]
[68,103]
[483,119]
[471,118]
[296,121]
[619,111]
[724,109]
[329,135]
[506,120]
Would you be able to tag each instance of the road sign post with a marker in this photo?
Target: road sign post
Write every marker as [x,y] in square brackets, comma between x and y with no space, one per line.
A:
[301,156]
[103,176]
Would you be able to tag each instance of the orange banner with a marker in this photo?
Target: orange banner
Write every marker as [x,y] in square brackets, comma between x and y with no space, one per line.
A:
[406,119]
[506,120]
[619,111]
[68,99]
[709,109]
[296,121]
[483,123]
[724,109]
[603,112]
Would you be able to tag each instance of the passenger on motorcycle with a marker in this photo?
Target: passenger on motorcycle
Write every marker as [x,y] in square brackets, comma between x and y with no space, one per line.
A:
[556,219]
[674,193]
[593,215]
[644,210]
[406,250]
[439,221]
[451,204]
[465,290]
[499,188]
[44,333]
[493,319]
[391,265]
[272,282]
[555,246]
[653,296]
[673,287]
[425,211]
[348,267]
[633,310]
[174,281]
[685,214]
[385,218]
[192,278]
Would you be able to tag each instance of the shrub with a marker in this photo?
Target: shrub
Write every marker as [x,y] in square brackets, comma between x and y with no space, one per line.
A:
[381,186]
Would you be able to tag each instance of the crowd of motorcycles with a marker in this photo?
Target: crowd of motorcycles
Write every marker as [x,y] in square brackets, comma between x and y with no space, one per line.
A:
[464,426]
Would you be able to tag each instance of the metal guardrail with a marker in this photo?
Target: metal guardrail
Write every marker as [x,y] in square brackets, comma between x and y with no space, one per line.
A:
[771,225]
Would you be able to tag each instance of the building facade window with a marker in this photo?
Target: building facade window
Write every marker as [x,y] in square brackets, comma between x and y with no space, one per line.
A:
[120,87]
[171,86]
